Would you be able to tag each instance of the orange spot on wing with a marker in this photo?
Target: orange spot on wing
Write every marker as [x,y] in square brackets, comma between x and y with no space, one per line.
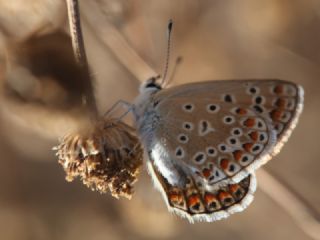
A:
[224,163]
[193,200]
[254,136]
[206,172]
[209,198]
[234,187]
[247,146]
[175,197]
[237,155]
[276,115]
[281,103]
[278,89]
[241,111]
[223,194]
[250,122]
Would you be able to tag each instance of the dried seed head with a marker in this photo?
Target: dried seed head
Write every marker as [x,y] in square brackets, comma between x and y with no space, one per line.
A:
[106,155]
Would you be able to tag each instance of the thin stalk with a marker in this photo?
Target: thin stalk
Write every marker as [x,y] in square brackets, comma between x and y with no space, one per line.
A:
[80,52]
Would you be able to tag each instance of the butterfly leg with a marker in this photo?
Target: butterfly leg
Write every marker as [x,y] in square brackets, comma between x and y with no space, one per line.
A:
[135,148]
[124,104]
[125,113]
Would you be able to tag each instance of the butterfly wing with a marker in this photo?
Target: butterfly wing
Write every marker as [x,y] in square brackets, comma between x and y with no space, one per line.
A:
[196,204]
[221,131]
[204,140]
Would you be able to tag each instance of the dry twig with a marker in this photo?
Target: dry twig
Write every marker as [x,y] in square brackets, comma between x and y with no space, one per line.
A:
[79,49]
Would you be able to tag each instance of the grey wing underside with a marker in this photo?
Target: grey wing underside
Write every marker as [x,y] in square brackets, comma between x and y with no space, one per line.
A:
[264,111]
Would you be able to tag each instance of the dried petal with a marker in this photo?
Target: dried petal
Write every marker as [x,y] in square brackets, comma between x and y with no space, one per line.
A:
[106,156]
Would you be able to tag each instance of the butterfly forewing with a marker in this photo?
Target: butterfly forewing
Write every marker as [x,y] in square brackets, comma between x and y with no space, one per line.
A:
[220,131]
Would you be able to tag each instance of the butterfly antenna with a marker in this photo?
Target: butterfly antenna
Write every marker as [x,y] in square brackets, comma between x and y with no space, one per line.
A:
[175,67]
[165,72]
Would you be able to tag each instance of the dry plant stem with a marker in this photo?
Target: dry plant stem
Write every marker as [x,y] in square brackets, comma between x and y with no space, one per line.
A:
[117,44]
[79,49]
[303,214]
[76,32]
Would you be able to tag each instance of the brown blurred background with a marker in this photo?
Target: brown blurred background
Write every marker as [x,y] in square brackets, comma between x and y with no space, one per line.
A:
[218,39]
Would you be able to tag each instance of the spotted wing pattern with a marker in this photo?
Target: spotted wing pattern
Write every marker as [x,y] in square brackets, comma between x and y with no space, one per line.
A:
[220,131]
[197,204]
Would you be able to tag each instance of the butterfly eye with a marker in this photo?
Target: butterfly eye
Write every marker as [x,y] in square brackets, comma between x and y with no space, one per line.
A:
[153,85]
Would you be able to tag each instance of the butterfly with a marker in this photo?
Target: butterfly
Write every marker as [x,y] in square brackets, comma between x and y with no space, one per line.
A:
[205,140]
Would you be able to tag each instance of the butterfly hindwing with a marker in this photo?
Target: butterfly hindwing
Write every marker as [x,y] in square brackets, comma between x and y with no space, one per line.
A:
[196,204]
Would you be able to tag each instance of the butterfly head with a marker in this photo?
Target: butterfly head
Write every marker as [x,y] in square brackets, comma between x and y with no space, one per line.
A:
[150,85]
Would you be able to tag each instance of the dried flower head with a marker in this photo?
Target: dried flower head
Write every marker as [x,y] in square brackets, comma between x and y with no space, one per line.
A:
[105,155]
